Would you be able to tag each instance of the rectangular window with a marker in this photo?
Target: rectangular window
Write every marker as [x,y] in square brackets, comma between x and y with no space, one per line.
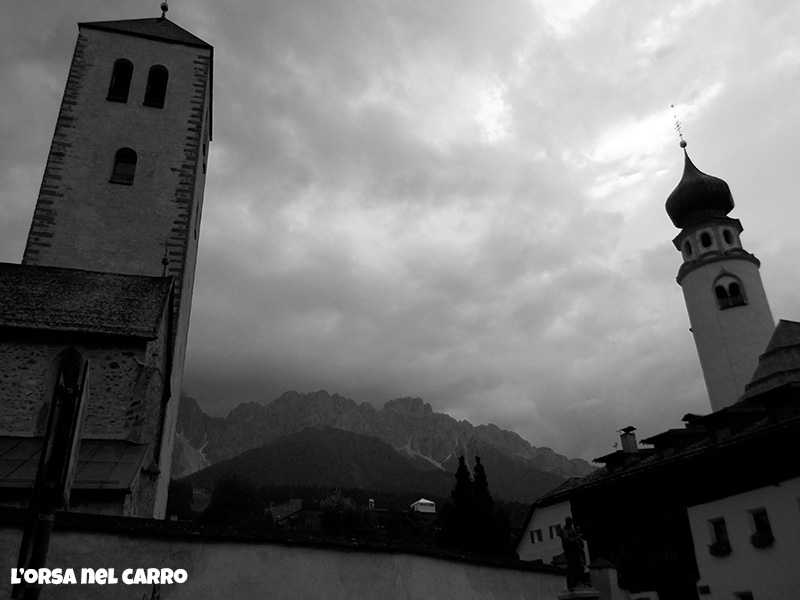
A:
[743,595]
[555,531]
[760,521]
[538,534]
[719,531]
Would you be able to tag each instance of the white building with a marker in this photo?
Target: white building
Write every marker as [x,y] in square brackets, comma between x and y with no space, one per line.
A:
[540,540]
[424,506]
[747,545]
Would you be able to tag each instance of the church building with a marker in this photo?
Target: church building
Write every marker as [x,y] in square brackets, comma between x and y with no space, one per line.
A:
[108,268]
[708,511]
[728,309]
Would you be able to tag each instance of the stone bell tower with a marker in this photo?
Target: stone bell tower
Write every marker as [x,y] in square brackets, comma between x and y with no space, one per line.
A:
[123,185]
[122,190]
[728,310]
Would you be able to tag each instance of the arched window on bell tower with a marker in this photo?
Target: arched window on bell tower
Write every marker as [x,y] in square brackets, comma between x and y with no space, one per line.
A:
[729,292]
[120,81]
[124,166]
[156,91]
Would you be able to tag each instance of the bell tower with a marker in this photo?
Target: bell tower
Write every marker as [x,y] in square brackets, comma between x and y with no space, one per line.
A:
[728,310]
[122,190]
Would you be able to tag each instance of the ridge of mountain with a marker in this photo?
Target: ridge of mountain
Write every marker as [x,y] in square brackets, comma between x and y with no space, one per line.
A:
[324,456]
[409,425]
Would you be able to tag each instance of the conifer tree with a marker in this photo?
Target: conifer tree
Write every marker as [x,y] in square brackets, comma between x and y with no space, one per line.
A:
[462,492]
[484,503]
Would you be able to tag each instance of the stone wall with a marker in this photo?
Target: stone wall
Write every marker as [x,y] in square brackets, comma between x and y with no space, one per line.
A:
[223,566]
[126,383]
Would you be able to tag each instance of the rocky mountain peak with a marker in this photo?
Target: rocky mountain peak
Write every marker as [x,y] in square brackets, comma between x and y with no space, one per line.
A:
[413,406]
[407,424]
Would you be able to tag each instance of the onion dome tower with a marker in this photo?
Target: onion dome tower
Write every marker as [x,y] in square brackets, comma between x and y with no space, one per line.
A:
[728,310]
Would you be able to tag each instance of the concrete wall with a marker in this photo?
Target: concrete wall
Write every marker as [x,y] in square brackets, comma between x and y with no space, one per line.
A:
[767,573]
[222,569]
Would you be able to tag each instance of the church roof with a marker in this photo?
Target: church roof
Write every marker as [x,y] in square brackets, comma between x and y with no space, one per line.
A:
[780,363]
[698,197]
[155,29]
[55,299]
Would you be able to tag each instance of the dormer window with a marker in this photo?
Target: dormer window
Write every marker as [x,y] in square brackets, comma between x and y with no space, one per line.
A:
[124,166]
[120,81]
[156,90]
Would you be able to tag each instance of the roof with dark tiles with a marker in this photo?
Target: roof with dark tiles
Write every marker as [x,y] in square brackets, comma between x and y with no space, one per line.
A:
[780,363]
[159,28]
[72,300]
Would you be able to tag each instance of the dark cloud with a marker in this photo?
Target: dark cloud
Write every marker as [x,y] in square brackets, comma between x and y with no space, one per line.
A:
[458,201]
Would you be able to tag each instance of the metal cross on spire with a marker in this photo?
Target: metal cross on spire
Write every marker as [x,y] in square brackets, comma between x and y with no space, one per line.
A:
[678,127]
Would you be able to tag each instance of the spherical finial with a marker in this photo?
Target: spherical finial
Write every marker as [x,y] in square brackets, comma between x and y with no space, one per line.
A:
[164,9]
[683,144]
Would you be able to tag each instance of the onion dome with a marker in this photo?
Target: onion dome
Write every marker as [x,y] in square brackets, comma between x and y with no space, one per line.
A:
[698,197]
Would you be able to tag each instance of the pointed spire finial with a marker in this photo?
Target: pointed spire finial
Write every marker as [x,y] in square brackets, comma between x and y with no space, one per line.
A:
[164,9]
[683,143]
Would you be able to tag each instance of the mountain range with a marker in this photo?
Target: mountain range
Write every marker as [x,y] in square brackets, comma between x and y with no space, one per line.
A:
[411,435]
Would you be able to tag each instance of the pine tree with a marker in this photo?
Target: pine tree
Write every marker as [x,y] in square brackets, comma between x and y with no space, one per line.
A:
[484,503]
[469,521]
[462,492]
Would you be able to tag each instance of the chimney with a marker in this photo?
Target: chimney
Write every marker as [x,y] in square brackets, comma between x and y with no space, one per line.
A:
[628,439]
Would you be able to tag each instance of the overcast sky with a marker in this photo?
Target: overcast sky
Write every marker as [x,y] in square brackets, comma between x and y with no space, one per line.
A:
[459,200]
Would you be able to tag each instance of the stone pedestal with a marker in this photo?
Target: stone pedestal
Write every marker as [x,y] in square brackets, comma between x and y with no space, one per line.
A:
[580,593]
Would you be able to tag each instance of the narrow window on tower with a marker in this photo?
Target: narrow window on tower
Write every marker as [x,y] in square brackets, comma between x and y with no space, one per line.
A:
[156,90]
[120,81]
[705,239]
[729,292]
[735,293]
[727,236]
[124,166]
[723,299]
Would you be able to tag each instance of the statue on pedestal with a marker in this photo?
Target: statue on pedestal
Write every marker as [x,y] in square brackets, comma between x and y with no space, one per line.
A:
[572,543]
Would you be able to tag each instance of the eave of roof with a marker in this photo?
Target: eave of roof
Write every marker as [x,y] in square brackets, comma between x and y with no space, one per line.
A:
[602,477]
[160,28]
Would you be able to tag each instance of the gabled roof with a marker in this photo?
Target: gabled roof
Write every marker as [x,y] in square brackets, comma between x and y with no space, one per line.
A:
[72,300]
[155,29]
[102,464]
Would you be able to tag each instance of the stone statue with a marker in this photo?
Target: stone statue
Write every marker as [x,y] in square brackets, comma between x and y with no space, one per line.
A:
[572,543]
